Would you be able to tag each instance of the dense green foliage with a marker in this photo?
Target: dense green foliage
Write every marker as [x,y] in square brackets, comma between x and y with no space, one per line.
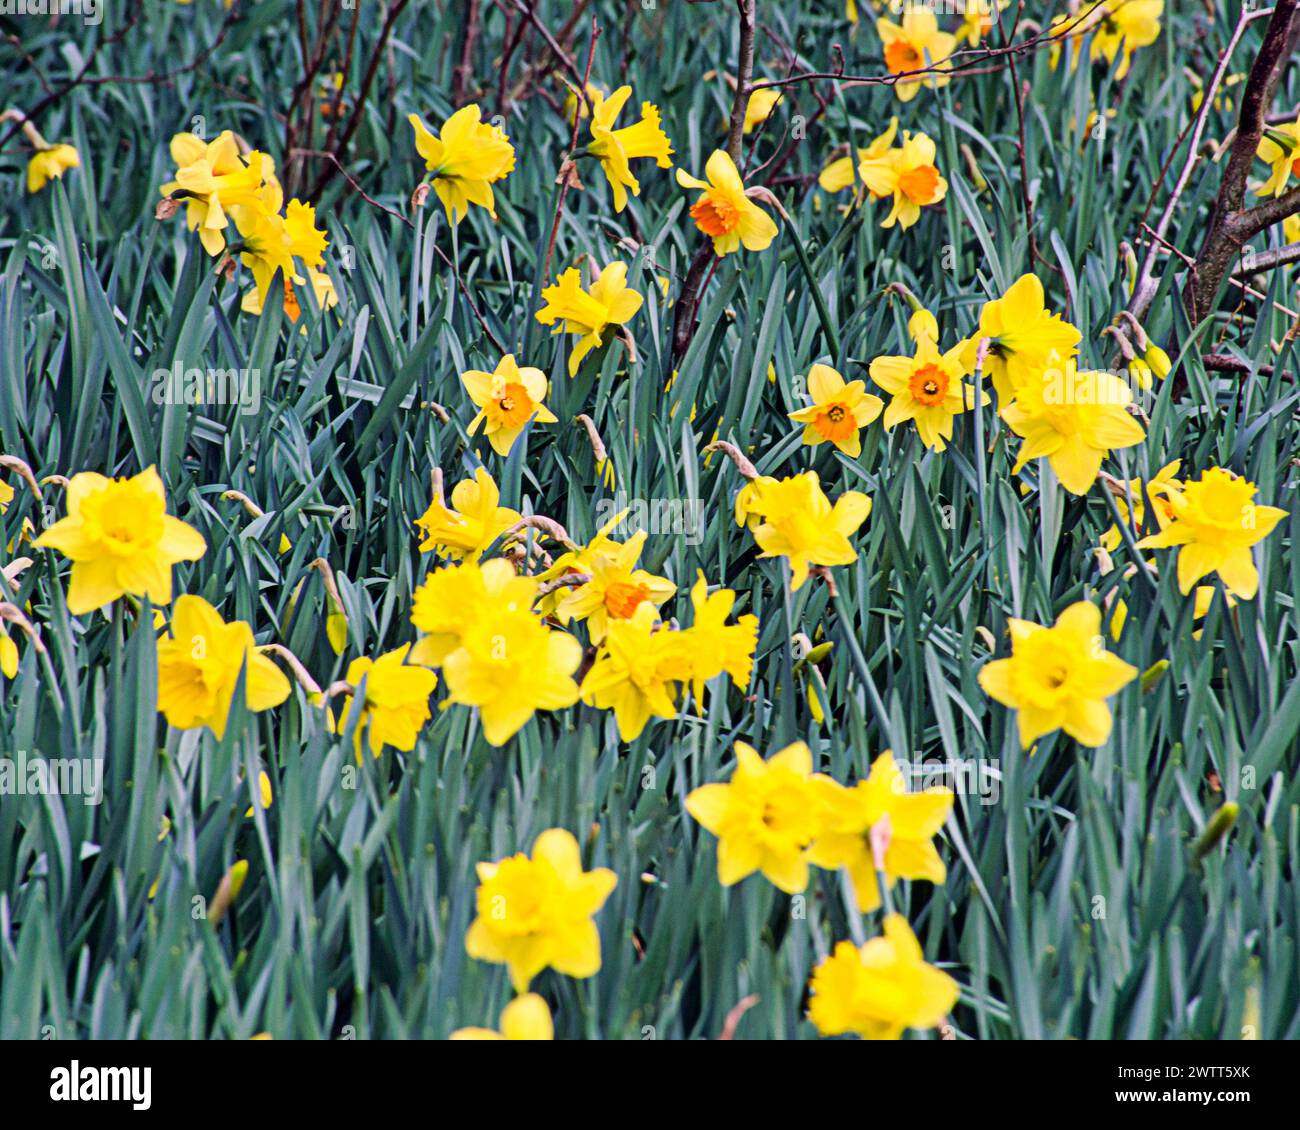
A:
[1074,906]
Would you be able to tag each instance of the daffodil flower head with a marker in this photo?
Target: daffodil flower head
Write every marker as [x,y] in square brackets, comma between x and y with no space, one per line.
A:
[525,1018]
[616,148]
[472,522]
[977,20]
[507,398]
[1120,27]
[271,242]
[749,501]
[322,287]
[1059,678]
[1215,521]
[508,664]
[1159,488]
[120,539]
[637,670]
[535,912]
[800,524]
[1280,148]
[712,645]
[8,655]
[927,388]
[49,163]
[466,158]
[880,989]
[578,561]
[617,588]
[913,178]
[724,212]
[395,705]
[1073,419]
[839,411]
[874,167]
[765,817]
[916,45]
[851,813]
[199,664]
[451,598]
[1024,337]
[213,179]
[759,107]
[571,309]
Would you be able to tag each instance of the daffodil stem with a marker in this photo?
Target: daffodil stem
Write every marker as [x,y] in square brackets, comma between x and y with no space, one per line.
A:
[823,315]
[886,896]
[789,723]
[864,673]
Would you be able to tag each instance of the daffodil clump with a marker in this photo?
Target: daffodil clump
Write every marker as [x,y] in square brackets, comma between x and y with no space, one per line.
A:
[1115,29]
[968,531]
[220,183]
[907,174]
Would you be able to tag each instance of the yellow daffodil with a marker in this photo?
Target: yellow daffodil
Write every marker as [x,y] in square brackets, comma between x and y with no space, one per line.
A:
[1059,678]
[712,645]
[1024,338]
[1159,488]
[850,814]
[535,914]
[271,242]
[838,412]
[465,160]
[46,164]
[614,148]
[764,817]
[875,167]
[450,599]
[570,309]
[927,388]
[723,211]
[977,20]
[6,496]
[880,989]
[322,287]
[8,655]
[1215,522]
[1121,27]
[916,44]
[636,671]
[800,523]
[1280,148]
[575,105]
[508,664]
[760,106]
[1115,26]
[507,399]
[472,522]
[396,703]
[578,561]
[1073,419]
[212,177]
[120,539]
[617,588]
[914,180]
[199,666]
[524,1018]
[265,795]
[749,501]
